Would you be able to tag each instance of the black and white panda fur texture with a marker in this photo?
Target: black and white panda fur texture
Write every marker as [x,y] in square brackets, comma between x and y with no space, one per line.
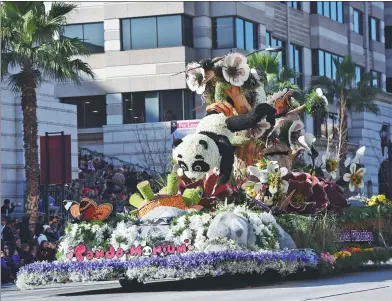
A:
[211,145]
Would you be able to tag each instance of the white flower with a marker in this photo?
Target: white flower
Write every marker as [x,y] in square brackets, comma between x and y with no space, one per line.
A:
[331,164]
[320,93]
[235,69]
[195,77]
[358,155]
[297,126]
[195,222]
[187,234]
[275,175]
[262,175]
[307,141]
[355,177]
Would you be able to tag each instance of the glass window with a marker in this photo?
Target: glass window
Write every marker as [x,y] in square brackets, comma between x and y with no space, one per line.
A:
[388,37]
[126,34]
[357,22]
[340,11]
[92,34]
[374,29]
[321,63]
[166,105]
[295,4]
[326,8]
[249,36]
[188,31]
[389,84]
[376,82]
[334,10]
[134,107]
[326,65]
[91,110]
[319,7]
[296,62]
[326,126]
[144,33]
[245,33]
[239,33]
[267,39]
[169,31]
[358,75]
[153,32]
[171,105]
[329,9]
[224,34]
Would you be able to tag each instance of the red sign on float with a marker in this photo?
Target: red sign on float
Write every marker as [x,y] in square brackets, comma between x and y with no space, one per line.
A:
[59,165]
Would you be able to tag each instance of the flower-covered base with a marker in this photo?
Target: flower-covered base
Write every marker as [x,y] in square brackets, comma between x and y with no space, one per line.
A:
[181,266]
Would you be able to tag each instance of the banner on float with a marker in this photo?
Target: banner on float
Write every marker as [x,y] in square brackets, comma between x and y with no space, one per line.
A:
[181,128]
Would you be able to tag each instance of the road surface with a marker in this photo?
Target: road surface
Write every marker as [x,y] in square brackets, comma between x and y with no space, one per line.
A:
[374,285]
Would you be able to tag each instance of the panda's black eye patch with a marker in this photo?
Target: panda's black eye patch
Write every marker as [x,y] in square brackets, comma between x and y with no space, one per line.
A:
[199,157]
[200,166]
[179,156]
[204,143]
[183,165]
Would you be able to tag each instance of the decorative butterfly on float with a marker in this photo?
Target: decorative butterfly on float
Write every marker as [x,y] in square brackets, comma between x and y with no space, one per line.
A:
[282,103]
[88,210]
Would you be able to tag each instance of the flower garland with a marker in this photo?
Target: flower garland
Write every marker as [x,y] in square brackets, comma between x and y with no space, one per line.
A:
[184,266]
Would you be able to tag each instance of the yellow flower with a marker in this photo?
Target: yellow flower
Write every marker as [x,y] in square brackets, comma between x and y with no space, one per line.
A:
[368,250]
[342,254]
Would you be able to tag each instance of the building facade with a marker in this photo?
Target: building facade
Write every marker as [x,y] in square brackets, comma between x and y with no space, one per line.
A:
[139,49]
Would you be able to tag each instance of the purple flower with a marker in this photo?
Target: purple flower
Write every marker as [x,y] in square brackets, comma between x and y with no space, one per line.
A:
[183,265]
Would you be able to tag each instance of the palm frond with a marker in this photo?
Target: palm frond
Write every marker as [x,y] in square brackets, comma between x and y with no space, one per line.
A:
[265,61]
[59,10]
[326,85]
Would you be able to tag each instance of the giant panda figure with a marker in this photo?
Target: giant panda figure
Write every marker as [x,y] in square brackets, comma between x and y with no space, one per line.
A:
[211,146]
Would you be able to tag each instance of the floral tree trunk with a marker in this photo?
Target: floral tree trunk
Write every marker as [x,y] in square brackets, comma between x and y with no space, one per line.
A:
[30,137]
[342,131]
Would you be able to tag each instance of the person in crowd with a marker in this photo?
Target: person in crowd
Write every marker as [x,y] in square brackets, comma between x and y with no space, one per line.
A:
[7,208]
[52,205]
[6,232]
[50,235]
[46,250]
[25,255]
[33,253]
[24,232]
[5,270]
[10,261]
[18,245]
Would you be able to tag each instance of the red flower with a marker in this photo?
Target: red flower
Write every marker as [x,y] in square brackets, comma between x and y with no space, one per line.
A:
[312,194]
[211,190]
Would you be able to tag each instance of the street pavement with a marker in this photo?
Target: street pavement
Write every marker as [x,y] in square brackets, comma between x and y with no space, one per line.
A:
[373,285]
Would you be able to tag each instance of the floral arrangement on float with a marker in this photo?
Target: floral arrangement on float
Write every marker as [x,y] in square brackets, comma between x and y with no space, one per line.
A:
[249,161]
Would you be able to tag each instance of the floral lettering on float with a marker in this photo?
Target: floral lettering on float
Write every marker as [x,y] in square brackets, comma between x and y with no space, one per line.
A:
[356,236]
[80,252]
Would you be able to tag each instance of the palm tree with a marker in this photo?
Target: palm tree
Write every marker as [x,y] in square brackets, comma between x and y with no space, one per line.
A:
[350,95]
[33,50]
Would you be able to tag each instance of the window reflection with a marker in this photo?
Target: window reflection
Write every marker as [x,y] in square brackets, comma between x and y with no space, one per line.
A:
[329,9]
[376,81]
[323,63]
[272,42]
[91,110]
[326,126]
[166,105]
[92,34]
[296,62]
[358,26]
[374,29]
[154,32]
[245,34]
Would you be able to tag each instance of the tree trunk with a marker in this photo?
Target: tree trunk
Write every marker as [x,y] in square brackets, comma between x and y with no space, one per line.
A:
[30,137]
[343,135]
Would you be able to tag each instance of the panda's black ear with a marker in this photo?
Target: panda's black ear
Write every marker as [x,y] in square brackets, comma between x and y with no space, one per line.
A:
[177,142]
[204,143]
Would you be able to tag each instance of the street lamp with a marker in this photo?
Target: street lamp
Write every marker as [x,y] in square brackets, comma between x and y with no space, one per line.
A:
[386,142]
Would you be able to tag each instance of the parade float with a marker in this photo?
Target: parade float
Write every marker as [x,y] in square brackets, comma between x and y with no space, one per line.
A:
[248,192]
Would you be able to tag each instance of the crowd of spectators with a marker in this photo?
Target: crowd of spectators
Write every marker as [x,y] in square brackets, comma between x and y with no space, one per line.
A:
[100,180]
[20,246]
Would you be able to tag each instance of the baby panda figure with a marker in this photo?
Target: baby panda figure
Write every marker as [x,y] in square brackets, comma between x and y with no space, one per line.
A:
[211,146]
